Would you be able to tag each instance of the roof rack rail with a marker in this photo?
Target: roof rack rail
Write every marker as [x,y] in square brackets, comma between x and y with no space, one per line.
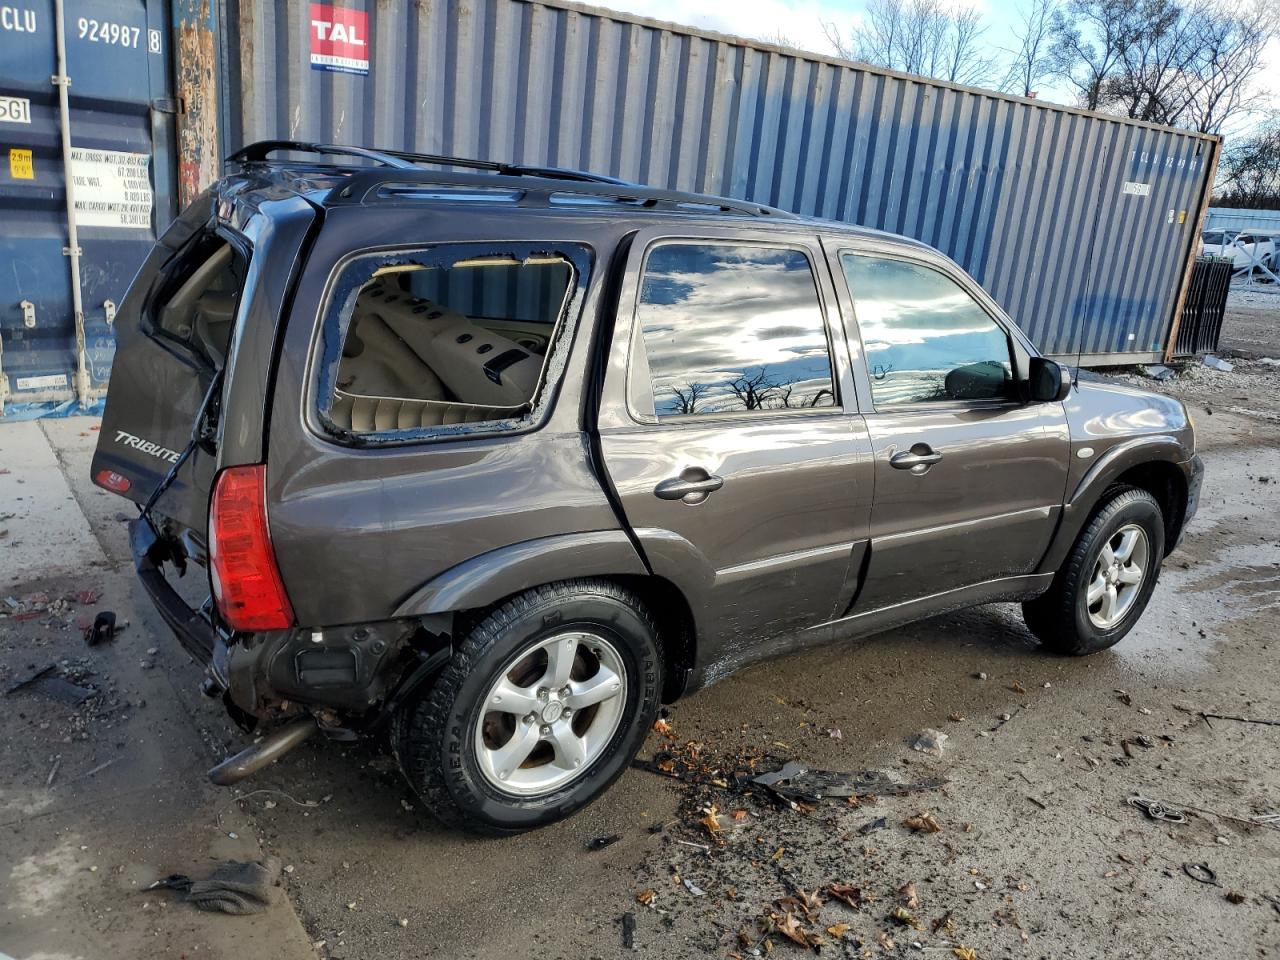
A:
[364,184]
[404,160]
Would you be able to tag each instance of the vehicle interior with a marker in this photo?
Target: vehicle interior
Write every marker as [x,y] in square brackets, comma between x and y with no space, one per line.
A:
[197,305]
[440,345]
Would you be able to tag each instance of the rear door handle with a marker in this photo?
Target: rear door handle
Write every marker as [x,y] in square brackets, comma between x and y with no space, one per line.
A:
[691,491]
[918,459]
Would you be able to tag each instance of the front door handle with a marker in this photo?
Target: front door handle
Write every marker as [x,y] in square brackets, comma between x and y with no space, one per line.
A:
[690,491]
[918,459]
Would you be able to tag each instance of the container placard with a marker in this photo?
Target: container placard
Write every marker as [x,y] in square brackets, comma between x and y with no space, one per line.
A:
[339,39]
[113,189]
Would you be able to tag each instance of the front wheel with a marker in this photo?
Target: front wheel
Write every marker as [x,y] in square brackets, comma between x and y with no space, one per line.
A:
[1104,585]
[544,704]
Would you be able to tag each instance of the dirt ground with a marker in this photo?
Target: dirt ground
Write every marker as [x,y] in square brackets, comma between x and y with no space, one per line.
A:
[1037,854]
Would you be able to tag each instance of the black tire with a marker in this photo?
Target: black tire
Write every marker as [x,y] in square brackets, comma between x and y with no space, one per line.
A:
[1060,616]
[433,734]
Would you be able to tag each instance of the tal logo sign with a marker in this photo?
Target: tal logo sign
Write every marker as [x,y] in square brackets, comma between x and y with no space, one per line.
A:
[339,39]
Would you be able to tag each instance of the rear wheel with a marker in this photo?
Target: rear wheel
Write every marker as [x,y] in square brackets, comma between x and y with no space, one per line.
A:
[1104,585]
[545,703]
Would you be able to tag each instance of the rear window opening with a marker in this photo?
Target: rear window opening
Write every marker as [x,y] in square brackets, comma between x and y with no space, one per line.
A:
[445,341]
[198,298]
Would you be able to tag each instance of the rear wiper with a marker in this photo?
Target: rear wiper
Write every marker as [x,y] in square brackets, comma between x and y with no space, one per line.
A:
[203,430]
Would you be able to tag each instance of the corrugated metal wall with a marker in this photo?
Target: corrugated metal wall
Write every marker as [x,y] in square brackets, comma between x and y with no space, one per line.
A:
[1257,221]
[1030,198]
[117,63]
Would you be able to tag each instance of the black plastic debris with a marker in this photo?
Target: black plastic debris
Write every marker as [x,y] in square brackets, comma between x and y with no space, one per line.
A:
[239,888]
[871,826]
[629,931]
[795,782]
[56,688]
[1200,873]
[102,630]
[599,843]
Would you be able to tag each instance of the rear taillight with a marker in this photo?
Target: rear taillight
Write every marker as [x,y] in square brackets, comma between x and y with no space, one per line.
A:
[242,564]
[110,480]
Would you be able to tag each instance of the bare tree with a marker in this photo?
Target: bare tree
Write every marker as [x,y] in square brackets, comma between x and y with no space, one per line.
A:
[687,397]
[1032,59]
[1250,170]
[1230,45]
[923,37]
[754,391]
[1150,81]
[1090,38]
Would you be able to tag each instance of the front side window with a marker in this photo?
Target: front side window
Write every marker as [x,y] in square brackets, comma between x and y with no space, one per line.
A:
[731,328]
[924,337]
[445,340]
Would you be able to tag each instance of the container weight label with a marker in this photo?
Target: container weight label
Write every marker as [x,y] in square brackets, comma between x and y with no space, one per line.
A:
[113,189]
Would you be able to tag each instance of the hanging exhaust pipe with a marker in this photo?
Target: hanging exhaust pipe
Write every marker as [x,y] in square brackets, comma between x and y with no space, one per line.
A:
[253,758]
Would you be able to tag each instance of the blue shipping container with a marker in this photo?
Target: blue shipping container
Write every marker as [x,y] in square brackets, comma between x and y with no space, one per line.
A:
[120,120]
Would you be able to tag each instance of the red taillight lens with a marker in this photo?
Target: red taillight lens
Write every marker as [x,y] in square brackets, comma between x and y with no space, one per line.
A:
[242,564]
[110,480]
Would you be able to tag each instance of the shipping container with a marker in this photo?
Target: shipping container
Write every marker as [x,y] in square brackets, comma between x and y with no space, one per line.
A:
[1264,222]
[1081,225]
[85,94]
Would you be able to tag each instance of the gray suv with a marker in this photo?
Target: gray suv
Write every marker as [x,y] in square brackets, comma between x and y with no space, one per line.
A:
[493,460]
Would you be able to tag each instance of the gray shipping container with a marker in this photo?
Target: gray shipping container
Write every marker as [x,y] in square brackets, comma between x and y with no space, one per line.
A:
[1080,225]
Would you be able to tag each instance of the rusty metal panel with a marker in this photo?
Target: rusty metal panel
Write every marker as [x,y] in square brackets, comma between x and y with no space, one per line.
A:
[1080,225]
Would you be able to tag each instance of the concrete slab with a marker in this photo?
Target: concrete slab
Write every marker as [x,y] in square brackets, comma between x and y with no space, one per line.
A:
[46,532]
[73,440]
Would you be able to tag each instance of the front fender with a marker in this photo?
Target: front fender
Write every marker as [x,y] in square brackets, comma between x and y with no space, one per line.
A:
[499,573]
[1155,448]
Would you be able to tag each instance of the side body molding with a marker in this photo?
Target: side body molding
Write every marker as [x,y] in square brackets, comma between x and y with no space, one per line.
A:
[1165,448]
[507,570]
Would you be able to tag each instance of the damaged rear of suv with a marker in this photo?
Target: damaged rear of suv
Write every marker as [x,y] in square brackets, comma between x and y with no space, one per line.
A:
[492,461]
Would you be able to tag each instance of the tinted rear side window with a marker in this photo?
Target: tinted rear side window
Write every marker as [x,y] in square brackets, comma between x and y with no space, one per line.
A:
[733,328]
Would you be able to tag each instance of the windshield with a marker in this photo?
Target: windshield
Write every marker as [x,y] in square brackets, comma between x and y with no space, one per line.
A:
[1215,239]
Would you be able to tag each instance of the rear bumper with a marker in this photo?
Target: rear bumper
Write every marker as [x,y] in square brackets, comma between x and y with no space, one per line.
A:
[194,632]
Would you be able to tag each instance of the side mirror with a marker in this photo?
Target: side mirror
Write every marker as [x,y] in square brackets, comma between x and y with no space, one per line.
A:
[1049,381]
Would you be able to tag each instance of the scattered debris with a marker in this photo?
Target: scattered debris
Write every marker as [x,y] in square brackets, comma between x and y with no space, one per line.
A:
[1217,363]
[1230,716]
[239,888]
[102,630]
[879,823]
[929,741]
[693,888]
[794,782]
[1157,371]
[647,897]
[1235,896]
[629,931]
[599,843]
[54,687]
[1157,810]
[980,676]
[924,822]
[1200,873]
[845,893]
[1017,687]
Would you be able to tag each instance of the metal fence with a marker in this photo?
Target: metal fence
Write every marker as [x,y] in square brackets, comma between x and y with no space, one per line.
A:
[1081,226]
[1205,305]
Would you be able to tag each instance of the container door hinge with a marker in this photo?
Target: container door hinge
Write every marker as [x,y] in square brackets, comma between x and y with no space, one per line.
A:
[109,309]
[68,252]
[28,314]
[58,80]
[167,105]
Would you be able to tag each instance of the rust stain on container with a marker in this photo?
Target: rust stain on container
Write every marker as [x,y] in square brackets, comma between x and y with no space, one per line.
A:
[198,89]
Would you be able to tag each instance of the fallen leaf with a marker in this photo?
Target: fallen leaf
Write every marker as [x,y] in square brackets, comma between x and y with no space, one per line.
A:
[886,941]
[646,897]
[790,928]
[838,930]
[909,896]
[662,726]
[1016,687]
[922,823]
[906,918]
[711,820]
[944,923]
[965,953]
[739,814]
[1235,896]
[777,854]
[956,718]
[846,893]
